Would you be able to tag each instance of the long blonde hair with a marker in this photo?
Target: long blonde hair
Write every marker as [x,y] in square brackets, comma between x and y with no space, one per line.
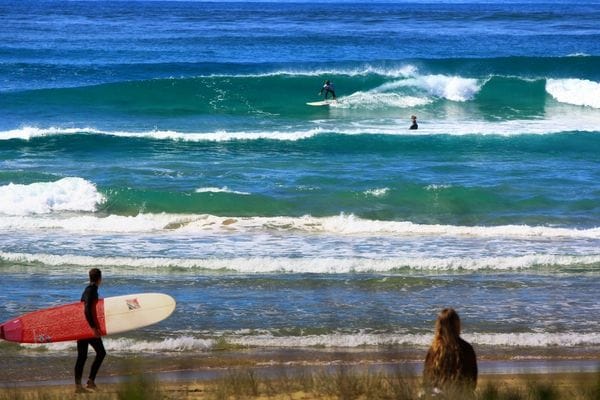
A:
[444,361]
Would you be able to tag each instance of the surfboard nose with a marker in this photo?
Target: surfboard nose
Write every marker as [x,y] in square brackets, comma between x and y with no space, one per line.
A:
[12,330]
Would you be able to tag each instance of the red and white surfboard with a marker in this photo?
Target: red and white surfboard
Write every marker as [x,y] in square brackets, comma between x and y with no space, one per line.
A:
[67,322]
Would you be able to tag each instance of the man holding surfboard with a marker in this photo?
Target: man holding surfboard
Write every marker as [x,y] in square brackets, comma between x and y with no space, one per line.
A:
[90,297]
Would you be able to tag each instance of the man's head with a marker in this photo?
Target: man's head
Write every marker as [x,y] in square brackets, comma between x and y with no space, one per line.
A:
[95,276]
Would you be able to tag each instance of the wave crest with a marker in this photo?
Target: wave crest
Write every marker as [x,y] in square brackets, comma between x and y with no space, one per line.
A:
[67,194]
[323,265]
[189,343]
[579,92]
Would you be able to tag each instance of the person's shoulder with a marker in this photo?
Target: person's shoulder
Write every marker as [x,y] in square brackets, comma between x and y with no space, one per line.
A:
[90,289]
[466,346]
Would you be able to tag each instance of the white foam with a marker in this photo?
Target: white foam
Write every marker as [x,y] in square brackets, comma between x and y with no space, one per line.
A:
[223,189]
[374,100]
[580,92]
[454,88]
[189,343]
[27,133]
[124,345]
[567,339]
[342,224]
[434,187]
[555,121]
[377,192]
[391,72]
[322,265]
[67,194]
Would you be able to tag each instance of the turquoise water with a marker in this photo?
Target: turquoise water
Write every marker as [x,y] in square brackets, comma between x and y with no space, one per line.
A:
[170,144]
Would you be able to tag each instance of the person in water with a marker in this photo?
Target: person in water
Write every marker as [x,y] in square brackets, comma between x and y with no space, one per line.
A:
[328,88]
[414,122]
[450,364]
[90,298]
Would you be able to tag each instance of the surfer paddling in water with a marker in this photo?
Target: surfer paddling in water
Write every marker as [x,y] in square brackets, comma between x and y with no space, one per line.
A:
[90,298]
[414,124]
[328,88]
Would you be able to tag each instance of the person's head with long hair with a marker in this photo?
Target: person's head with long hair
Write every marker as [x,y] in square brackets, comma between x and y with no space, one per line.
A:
[444,362]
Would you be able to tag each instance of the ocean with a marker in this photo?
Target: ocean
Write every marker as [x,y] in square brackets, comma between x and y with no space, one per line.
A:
[170,144]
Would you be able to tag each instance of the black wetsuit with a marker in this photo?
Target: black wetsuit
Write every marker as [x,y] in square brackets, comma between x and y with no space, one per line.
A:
[414,125]
[328,88]
[89,298]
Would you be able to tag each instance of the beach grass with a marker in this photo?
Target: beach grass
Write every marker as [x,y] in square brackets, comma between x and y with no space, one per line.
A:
[341,383]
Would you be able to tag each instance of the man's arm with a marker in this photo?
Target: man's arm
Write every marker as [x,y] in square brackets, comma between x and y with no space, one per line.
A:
[90,298]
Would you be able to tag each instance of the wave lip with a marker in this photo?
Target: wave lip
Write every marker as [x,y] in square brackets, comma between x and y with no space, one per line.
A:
[579,92]
[66,194]
[453,88]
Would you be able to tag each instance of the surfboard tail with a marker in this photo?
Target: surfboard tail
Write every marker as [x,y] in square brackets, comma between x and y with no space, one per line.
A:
[2,332]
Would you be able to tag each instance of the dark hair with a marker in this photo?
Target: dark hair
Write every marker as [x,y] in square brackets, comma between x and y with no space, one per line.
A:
[95,275]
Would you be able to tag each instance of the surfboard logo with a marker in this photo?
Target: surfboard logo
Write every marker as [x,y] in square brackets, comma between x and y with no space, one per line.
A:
[43,338]
[133,304]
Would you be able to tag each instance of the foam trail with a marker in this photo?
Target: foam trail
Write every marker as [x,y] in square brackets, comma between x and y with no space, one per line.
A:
[373,100]
[262,265]
[67,194]
[580,92]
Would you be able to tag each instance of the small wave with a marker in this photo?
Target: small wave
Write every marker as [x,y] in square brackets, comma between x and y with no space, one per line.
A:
[223,189]
[67,194]
[554,123]
[325,265]
[422,340]
[28,133]
[339,225]
[579,92]
[402,71]
[189,343]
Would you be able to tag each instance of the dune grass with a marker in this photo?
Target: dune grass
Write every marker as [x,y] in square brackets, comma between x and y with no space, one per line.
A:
[341,383]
